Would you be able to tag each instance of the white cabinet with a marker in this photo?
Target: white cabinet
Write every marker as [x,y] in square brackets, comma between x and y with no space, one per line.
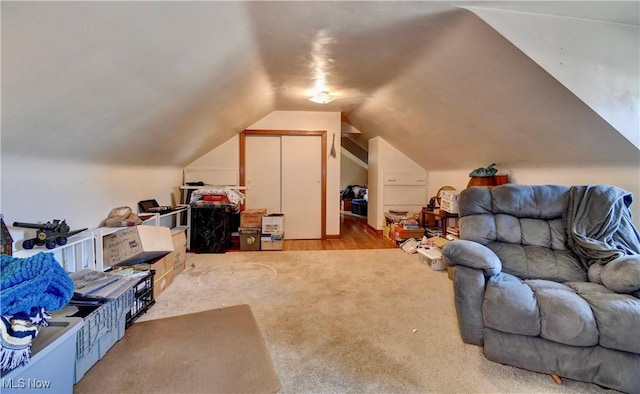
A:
[404,190]
[404,178]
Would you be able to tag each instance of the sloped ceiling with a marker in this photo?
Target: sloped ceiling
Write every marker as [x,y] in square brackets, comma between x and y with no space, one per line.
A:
[162,83]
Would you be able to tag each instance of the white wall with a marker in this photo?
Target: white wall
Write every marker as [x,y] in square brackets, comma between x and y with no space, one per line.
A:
[383,157]
[226,155]
[352,172]
[597,61]
[40,190]
[627,178]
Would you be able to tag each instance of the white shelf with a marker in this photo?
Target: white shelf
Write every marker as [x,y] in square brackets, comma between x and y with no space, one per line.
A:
[78,253]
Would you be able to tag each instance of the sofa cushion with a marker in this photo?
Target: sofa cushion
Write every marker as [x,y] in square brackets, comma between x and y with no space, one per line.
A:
[565,317]
[510,306]
[474,201]
[539,202]
[535,262]
[478,228]
[617,316]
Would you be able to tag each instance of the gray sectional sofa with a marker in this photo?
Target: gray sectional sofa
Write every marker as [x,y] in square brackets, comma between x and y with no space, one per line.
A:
[547,278]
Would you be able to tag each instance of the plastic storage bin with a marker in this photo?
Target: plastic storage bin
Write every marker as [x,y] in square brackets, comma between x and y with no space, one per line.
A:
[103,327]
[51,366]
[359,207]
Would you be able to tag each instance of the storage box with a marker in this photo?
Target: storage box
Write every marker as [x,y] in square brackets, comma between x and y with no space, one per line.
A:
[179,253]
[51,367]
[252,217]
[273,223]
[161,283]
[164,272]
[273,241]
[359,207]
[449,206]
[438,241]
[160,265]
[143,299]
[401,233]
[249,238]
[136,244]
[432,258]
[102,328]
[449,195]
[386,229]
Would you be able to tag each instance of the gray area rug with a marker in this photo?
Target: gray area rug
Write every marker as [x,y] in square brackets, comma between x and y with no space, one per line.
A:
[215,351]
[374,321]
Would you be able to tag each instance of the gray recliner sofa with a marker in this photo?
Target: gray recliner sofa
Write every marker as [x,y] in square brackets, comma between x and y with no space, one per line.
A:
[547,278]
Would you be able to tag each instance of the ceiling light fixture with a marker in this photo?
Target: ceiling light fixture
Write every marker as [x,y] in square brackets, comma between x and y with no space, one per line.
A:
[323,97]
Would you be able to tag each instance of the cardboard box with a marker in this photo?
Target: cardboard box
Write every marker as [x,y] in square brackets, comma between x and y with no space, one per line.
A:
[449,195]
[252,217]
[160,265]
[432,258]
[386,229]
[401,233]
[451,272]
[250,239]
[449,206]
[160,283]
[438,241]
[273,223]
[272,241]
[179,253]
[136,244]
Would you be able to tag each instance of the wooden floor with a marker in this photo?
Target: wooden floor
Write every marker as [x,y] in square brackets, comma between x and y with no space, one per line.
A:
[354,234]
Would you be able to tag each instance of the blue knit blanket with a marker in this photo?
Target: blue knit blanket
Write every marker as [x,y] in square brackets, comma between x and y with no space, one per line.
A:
[31,287]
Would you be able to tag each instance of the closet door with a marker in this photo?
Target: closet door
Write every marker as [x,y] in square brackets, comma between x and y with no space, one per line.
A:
[301,186]
[263,172]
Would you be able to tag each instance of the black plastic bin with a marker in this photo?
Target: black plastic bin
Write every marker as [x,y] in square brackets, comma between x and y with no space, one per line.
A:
[359,207]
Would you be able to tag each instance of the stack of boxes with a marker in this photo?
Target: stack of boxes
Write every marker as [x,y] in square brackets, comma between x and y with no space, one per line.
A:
[272,232]
[148,248]
[259,231]
[449,201]
[250,227]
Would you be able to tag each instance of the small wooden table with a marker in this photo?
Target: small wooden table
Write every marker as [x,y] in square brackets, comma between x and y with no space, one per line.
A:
[429,218]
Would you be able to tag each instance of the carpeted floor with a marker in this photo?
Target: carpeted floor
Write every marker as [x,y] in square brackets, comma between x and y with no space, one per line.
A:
[353,321]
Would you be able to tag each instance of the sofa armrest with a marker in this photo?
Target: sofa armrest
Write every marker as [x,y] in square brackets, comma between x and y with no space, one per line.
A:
[469,286]
[473,255]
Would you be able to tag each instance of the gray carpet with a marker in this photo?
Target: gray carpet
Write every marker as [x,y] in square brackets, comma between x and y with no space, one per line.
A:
[374,321]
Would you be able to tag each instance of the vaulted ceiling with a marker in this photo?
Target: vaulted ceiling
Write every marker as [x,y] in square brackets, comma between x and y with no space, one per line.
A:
[162,83]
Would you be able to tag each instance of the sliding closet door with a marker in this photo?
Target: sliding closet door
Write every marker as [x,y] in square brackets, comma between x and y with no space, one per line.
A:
[301,186]
[263,172]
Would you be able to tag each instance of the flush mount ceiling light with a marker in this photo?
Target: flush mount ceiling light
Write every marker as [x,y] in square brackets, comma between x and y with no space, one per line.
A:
[320,66]
[323,97]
